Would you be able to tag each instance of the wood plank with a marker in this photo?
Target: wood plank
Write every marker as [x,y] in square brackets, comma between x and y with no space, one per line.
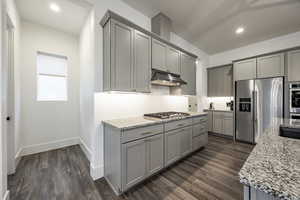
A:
[210,173]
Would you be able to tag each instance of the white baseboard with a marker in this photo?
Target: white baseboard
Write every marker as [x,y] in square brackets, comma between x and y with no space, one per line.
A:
[87,151]
[97,171]
[6,195]
[38,148]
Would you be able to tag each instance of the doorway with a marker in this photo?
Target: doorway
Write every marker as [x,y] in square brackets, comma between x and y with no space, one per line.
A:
[8,91]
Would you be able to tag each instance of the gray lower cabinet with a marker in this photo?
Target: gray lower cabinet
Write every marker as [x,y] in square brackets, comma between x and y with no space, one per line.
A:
[130,156]
[188,74]
[218,122]
[159,55]
[155,145]
[270,66]
[134,162]
[172,146]
[186,137]
[293,65]
[254,194]
[244,70]
[173,60]
[221,122]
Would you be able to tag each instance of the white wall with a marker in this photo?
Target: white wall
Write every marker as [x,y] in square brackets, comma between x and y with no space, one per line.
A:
[267,46]
[45,123]
[87,64]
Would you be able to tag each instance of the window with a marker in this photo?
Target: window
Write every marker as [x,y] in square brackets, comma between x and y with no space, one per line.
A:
[51,77]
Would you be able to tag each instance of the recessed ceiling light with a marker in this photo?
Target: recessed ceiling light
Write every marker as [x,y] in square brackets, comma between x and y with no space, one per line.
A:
[54,7]
[240,30]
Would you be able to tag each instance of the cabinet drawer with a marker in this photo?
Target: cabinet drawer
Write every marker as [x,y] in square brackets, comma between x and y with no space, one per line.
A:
[202,119]
[200,141]
[228,115]
[142,132]
[199,129]
[178,124]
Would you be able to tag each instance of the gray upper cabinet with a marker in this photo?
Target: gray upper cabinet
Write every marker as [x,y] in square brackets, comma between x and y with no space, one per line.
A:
[173,60]
[142,62]
[121,56]
[270,66]
[159,55]
[130,52]
[293,65]
[244,70]
[133,153]
[220,82]
[188,74]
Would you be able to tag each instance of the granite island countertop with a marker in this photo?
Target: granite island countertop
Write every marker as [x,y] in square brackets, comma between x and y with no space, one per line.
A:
[140,121]
[273,166]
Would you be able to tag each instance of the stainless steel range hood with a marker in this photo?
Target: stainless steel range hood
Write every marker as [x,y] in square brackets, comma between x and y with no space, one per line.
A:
[166,78]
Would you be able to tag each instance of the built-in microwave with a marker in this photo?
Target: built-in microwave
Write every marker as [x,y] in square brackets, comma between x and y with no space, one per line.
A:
[295,98]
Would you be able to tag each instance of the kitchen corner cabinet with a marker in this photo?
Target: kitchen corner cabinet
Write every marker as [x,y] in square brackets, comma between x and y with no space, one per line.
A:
[221,122]
[127,54]
[293,65]
[270,66]
[188,74]
[220,82]
[244,70]
[159,55]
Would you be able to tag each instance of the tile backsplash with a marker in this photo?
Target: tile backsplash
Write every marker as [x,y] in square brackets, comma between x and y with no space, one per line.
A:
[219,102]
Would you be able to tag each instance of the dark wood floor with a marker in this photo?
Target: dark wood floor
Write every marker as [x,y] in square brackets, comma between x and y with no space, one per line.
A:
[211,173]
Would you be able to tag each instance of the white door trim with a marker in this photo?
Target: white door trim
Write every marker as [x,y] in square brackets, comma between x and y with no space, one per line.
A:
[11,166]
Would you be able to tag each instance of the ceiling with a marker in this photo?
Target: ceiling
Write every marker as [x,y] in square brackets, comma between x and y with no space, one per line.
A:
[70,19]
[211,24]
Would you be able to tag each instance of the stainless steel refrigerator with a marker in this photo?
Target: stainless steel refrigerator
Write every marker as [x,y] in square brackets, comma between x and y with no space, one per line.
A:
[258,103]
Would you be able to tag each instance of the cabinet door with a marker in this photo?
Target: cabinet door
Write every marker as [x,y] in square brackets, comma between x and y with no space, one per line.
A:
[210,121]
[186,137]
[227,81]
[294,65]
[218,122]
[200,141]
[228,126]
[244,70]
[188,74]
[211,81]
[159,55]
[134,163]
[142,62]
[270,66]
[172,146]
[122,56]
[155,154]
[173,60]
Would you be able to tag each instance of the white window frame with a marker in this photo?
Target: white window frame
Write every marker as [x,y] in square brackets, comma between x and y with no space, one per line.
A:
[51,75]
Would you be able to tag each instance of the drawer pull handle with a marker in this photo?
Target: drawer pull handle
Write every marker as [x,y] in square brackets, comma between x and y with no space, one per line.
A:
[146,133]
[180,124]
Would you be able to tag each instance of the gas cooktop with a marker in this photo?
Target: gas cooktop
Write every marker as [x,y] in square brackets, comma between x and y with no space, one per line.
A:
[167,115]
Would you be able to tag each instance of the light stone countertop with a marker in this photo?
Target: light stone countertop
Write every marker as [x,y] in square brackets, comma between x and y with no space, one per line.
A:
[135,122]
[274,164]
[219,110]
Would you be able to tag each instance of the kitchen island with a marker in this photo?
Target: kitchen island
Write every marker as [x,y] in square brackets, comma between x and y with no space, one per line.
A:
[272,171]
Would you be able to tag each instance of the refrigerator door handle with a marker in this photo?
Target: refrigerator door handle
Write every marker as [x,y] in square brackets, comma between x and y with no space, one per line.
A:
[255,115]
